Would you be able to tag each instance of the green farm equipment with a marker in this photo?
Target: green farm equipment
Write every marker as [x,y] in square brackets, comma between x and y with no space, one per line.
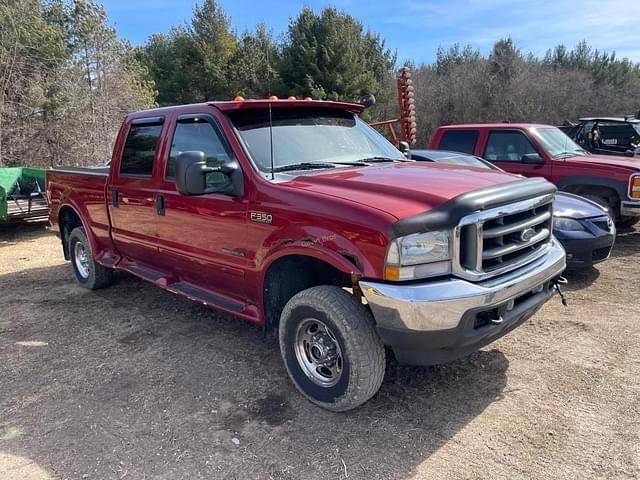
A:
[22,194]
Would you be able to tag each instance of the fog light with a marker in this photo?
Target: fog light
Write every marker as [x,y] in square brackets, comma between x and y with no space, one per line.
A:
[511,304]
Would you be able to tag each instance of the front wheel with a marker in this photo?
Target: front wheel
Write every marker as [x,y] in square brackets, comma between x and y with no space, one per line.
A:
[331,349]
[89,273]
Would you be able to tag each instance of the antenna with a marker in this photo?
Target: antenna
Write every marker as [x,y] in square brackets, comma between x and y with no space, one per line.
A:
[273,176]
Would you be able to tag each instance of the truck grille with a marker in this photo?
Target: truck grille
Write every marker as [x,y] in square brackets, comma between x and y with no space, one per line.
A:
[498,240]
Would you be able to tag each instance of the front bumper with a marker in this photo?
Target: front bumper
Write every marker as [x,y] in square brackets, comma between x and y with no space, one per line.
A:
[630,208]
[583,253]
[440,321]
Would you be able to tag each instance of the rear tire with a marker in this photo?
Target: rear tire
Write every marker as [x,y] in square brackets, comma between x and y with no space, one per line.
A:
[330,348]
[89,273]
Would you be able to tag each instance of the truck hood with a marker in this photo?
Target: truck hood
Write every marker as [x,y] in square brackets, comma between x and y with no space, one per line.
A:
[401,189]
[632,163]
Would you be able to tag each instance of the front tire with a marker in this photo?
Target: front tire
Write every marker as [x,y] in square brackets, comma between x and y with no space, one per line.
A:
[89,273]
[330,348]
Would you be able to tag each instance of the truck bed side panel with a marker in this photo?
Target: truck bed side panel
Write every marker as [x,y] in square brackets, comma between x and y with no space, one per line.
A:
[83,190]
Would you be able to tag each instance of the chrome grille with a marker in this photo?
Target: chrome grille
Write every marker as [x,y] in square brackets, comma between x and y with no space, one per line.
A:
[498,240]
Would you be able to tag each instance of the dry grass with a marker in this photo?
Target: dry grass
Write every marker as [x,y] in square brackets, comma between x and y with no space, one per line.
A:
[132,382]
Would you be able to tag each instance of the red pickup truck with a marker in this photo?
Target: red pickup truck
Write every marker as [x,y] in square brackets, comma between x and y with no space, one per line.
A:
[545,151]
[298,216]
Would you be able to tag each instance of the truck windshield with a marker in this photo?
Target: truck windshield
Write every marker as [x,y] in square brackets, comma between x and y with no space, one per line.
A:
[557,143]
[310,135]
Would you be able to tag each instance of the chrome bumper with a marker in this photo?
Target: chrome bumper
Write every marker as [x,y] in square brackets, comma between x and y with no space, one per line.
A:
[630,208]
[441,305]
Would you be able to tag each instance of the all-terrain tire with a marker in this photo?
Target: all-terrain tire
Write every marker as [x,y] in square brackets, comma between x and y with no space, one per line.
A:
[353,329]
[91,275]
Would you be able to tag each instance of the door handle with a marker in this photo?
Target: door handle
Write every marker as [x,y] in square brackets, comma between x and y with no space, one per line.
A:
[114,198]
[160,205]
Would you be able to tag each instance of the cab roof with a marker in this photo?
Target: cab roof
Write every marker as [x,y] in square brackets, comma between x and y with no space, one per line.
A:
[524,126]
[227,106]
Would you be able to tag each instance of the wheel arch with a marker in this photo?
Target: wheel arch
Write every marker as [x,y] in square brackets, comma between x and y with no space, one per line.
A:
[576,184]
[293,270]
[68,219]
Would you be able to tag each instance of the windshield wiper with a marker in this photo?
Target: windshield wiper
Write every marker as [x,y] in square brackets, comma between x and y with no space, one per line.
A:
[303,166]
[380,159]
[578,153]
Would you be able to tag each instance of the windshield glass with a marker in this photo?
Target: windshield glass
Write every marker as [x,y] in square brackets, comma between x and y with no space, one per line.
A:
[469,161]
[309,135]
[557,143]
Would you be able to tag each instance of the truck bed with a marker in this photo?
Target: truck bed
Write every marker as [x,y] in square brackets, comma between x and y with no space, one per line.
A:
[83,190]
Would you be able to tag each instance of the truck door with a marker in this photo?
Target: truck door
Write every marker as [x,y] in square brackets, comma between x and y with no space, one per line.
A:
[202,239]
[512,151]
[131,193]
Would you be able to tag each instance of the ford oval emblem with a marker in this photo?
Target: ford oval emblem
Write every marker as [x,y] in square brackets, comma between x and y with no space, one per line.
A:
[527,234]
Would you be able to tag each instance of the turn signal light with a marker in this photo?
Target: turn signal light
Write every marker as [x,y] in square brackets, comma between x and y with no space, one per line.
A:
[273,97]
[634,187]
[392,273]
[238,98]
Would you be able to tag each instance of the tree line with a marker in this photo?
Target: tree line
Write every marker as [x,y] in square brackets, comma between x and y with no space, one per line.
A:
[67,79]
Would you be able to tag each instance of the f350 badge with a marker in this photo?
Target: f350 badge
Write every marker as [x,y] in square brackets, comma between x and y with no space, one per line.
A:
[261,217]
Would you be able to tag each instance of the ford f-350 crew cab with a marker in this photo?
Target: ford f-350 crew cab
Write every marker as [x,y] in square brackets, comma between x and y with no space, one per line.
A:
[298,216]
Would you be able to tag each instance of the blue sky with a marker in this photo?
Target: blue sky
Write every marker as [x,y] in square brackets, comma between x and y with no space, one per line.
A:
[415,28]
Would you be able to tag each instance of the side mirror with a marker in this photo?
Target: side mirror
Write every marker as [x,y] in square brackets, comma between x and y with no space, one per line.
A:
[192,171]
[532,159]
[404,148]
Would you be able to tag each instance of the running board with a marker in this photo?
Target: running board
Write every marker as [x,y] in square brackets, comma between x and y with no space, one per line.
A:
[206,297]
[145,273]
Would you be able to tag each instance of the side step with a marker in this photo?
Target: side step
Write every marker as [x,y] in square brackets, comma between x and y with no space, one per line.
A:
[205,296]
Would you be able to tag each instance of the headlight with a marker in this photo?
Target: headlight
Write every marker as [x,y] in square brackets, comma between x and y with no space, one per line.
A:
[418,255]
[567,224]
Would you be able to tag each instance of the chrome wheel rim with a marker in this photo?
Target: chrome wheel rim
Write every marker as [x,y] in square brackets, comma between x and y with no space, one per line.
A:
[81,259]
[318,353]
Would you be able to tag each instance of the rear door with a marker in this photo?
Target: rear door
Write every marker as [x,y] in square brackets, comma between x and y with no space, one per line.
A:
[131,193]
[203,239]
[506,148]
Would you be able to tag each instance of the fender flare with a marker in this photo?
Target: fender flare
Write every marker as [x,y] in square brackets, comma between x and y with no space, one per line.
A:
[68,203]
[319,252]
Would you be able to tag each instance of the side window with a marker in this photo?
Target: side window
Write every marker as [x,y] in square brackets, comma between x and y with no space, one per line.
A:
[199,135]
[507,146]
[463,141]
[140,150]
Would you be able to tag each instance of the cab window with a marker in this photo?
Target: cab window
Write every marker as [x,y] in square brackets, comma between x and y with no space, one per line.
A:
[199,134]
[140,150]
[507,146]
[463,141]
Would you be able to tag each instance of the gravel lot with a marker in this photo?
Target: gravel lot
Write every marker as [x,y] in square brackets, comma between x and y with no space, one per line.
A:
[133,382]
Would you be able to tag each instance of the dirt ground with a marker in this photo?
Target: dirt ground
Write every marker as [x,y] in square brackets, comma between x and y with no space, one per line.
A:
[133,382]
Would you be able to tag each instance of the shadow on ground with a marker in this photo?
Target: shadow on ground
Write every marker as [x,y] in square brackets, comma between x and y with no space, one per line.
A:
[582,278]
[12,233]
[133,382]
[627,243]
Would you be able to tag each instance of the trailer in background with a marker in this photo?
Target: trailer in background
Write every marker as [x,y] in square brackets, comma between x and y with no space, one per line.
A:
[22,194]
